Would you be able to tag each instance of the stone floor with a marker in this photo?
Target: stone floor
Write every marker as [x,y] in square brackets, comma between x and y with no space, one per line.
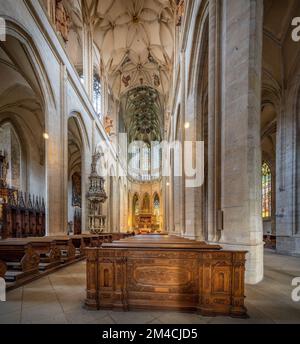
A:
[58,298]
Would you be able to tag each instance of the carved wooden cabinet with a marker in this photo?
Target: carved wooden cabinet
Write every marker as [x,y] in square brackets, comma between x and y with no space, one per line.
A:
[164,272]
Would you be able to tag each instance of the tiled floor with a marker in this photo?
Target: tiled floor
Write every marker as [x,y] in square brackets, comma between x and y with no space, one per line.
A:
[58,298]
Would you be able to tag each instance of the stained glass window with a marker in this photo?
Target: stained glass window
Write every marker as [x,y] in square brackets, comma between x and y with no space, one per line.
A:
[136,205]
[156,205]
[81,78]
[144,161]
[97,95]
[266,191]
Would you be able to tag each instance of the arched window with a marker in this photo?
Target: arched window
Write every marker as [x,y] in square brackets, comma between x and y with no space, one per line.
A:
[266,191]
[136,208]
[156,205]
[10,148]
[144,161]
[155,160]
[81,76]
[97,95]
[146,204]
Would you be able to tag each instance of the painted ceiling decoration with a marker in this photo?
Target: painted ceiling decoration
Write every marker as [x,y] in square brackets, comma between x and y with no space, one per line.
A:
[142,113]
[135,39]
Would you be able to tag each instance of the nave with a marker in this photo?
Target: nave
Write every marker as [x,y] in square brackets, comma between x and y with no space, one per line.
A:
[100,101]
[59,298]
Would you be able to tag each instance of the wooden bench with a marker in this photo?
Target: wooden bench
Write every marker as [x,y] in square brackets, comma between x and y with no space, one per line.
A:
[87,240]
[48,250]
[96,240]
[79,244]
[90,240]
[45,247]
[20,258]
[105,238]
[118,236]
[3,269]
[66,247]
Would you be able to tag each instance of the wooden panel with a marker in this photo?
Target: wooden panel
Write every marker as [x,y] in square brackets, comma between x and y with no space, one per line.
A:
[166,273]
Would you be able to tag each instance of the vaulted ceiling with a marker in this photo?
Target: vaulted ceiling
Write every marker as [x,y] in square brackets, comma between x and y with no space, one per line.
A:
[142,112]
[135,39]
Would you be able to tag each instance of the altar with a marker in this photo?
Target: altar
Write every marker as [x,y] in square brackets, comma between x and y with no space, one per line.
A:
[166,272]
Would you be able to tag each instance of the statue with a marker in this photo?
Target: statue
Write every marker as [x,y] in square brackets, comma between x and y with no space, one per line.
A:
[156,80]
[179,12]
[62,20]
[126,80]
[108,125]
[76,190]
[4,166]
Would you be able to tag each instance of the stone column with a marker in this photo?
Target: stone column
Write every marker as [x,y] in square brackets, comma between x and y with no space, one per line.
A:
[57,164]
[164,199]
[88,72]
[171,196]
[214,122]
[288,171]
[183,138]
[241,152]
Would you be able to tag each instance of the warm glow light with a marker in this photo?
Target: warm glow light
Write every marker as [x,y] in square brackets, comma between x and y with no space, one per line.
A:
[168,184]
[46,136]
[186,125]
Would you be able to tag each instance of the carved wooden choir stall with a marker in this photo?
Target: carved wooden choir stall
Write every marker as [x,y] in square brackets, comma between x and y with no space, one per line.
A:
[22,215]
[166,272]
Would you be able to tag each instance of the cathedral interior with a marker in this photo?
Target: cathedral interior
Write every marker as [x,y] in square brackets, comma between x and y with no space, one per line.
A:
[165,129]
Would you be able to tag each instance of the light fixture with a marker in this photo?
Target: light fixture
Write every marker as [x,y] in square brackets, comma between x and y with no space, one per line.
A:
[186,125]
[168,184]
[46,136]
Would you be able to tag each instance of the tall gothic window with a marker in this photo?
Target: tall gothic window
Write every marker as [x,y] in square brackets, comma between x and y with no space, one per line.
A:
[97,95]
[156,205]
[155,160]
[144,161]
[266,191]
[81,78]
[10,148]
